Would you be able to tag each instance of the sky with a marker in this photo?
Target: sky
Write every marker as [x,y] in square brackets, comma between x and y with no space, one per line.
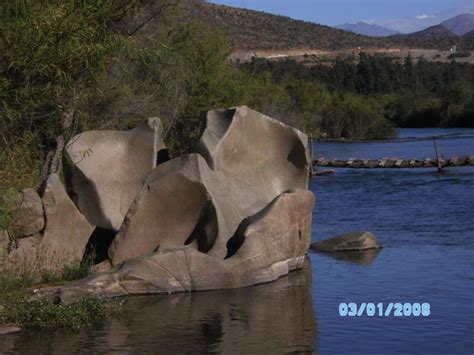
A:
[400,15]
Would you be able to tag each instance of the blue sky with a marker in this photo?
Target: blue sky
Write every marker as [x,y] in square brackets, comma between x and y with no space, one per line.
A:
[401,15]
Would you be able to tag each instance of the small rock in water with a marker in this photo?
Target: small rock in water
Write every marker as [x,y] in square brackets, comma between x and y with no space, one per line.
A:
[348,242]
[8,329]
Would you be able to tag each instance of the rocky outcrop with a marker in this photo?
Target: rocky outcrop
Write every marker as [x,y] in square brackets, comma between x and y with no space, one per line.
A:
[8,329]
[235,213]
[29,216]
[246,160]
[67,231]
[65,235]
[106,169]
[270,244]
[348,242]
[255,149]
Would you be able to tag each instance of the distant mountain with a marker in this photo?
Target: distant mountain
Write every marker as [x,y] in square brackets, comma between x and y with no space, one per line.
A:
[461,24]
[363,28]
[469,34]
[438,37]
[250,29]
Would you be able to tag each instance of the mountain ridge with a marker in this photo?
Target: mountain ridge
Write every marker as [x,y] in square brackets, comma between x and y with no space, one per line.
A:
[366,29]
[460,24]
[255,30]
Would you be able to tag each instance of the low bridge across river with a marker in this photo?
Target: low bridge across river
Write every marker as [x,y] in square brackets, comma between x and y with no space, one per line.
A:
[438,162]
[395,163]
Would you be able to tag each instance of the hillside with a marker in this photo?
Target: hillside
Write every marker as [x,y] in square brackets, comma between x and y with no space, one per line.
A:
[460,25]
[249,29]
[366,29]
[469,34]
[438,37]
[255,30]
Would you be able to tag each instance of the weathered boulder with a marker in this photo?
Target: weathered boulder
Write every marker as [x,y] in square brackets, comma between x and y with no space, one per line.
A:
[167,210]
[29,216]
[358,257]
[106,169]
[8,329]
[270,244]
[65,235]
[67,231]
[347,242]
[262,153]
[246,160]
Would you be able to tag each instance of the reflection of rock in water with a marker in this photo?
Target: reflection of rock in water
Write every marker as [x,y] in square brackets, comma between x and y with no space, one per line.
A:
[360,257]
[270,318]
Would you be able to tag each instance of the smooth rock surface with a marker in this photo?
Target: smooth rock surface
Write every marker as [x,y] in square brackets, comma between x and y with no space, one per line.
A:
[273,242]
[245,160]
[348,242]
[8,329]
[259,151]
[29,216]
[67,231]
[358,257]
[65,235]
[107,168]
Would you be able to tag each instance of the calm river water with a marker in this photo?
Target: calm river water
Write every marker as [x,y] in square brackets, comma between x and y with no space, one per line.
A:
[425,222]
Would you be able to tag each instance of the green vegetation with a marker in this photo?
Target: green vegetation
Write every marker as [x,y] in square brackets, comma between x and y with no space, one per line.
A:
[463,54]
[409,94]
[43,313]
[19,273]
[18,307]
[72,65]
[17,277]
[249,29]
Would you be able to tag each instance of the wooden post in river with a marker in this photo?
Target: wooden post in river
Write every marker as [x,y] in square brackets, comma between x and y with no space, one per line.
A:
[310,141]
[438,159]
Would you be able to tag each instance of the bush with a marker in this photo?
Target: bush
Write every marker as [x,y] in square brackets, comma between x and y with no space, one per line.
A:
[44,313]
[351,117]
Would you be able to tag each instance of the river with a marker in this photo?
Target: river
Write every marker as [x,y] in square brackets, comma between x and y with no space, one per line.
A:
[425,222]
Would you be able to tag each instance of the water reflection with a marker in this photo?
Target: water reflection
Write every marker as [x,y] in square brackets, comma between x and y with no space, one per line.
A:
[271,318]
[360,257]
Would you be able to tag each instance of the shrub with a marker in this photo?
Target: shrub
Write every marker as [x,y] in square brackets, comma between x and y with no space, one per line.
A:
[43,313]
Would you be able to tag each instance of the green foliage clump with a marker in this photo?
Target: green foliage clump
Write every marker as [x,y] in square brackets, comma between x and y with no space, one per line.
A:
[409,94]
[43,313]
[350,116]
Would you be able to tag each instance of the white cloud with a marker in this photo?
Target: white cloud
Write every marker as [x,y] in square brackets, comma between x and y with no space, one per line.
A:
[423,17]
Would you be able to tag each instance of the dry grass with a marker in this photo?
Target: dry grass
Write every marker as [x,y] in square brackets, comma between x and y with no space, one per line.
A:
[35,264]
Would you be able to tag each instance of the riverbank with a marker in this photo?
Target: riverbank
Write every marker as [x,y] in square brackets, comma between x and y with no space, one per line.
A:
[18,307]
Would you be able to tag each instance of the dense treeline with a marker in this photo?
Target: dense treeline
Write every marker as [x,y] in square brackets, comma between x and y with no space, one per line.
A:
[421,94]
[71,65]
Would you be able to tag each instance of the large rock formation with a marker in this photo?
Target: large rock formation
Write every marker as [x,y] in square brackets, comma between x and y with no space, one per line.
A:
[234,214]
[29,216]
[268,245]
[247,160]
[107,168]
[65,235]
[67,231]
